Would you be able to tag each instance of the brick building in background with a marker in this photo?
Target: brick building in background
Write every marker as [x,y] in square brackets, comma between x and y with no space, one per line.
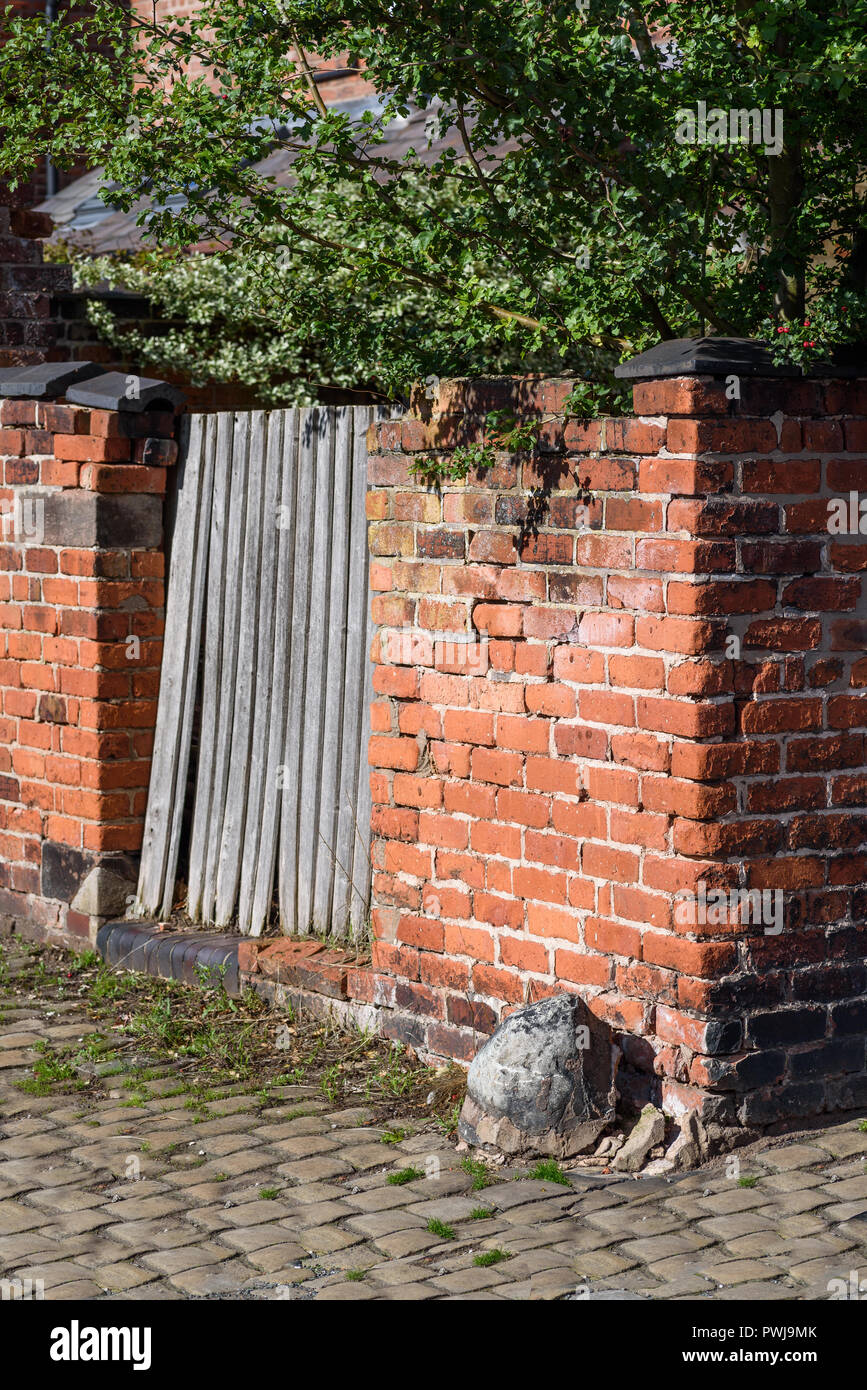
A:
[46,179]
[337,79]
[29,325]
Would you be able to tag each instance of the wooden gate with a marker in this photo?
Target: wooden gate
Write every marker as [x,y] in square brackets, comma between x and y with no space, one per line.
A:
[266,653]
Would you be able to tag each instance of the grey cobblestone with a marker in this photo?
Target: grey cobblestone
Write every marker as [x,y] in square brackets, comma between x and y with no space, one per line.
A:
[188,1220]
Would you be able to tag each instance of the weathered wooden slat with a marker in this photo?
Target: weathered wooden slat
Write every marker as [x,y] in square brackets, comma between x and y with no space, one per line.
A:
[232,841]
[178,679]
[363,804]
[283,436]
[197,584]
[277,570]
[327,872]
[229,658]
[345,905]
[210,697]
[291,808]
[253,845]
[316,672]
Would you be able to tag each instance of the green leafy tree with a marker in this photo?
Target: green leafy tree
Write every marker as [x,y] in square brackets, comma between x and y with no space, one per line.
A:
[259,319]
[574,216]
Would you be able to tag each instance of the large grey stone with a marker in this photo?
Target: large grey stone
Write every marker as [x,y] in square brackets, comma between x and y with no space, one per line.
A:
[544,1083]
[690,1144]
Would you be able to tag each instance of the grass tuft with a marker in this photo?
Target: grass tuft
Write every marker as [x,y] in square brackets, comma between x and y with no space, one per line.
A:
[405,1175]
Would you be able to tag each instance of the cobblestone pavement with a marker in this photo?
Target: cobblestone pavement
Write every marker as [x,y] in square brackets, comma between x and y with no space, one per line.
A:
[155,1200]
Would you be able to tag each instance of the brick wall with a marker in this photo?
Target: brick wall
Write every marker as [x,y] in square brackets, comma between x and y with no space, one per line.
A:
[28,332]
[77,340]
[582,714]
[81,621]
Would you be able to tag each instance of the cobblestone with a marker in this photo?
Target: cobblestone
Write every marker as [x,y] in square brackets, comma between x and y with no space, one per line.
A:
[269,1203]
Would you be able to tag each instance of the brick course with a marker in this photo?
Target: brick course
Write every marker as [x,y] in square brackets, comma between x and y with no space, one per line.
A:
[575,722]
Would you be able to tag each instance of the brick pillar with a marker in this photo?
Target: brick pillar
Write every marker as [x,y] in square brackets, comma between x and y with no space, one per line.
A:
[81,622]
[613,678]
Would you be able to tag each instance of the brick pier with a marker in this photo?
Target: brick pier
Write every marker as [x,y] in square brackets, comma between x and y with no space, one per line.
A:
[81,622]
[626,667]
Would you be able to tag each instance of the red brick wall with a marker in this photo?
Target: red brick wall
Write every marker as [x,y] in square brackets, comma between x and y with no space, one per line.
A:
[541,798]
[81,573]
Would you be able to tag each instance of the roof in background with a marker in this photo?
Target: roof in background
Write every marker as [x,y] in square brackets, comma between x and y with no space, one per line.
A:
[82,217]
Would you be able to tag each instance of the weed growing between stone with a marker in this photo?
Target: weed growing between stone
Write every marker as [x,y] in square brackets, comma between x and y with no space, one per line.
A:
[548,1170]
[491,1257]
[203,1045]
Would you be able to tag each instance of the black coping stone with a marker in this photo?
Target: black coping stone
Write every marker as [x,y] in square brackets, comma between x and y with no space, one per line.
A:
[724,357]
[46,380]
[126,391]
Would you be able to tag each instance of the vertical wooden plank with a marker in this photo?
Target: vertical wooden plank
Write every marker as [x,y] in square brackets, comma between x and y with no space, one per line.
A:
[294,726]
[327,873]
[232,841]
[346,906]
[266,689]
[232,838]
[361,869]
[315,674]
[196,582]
[178,676]
[212,665]
[286,439]
[237,509]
